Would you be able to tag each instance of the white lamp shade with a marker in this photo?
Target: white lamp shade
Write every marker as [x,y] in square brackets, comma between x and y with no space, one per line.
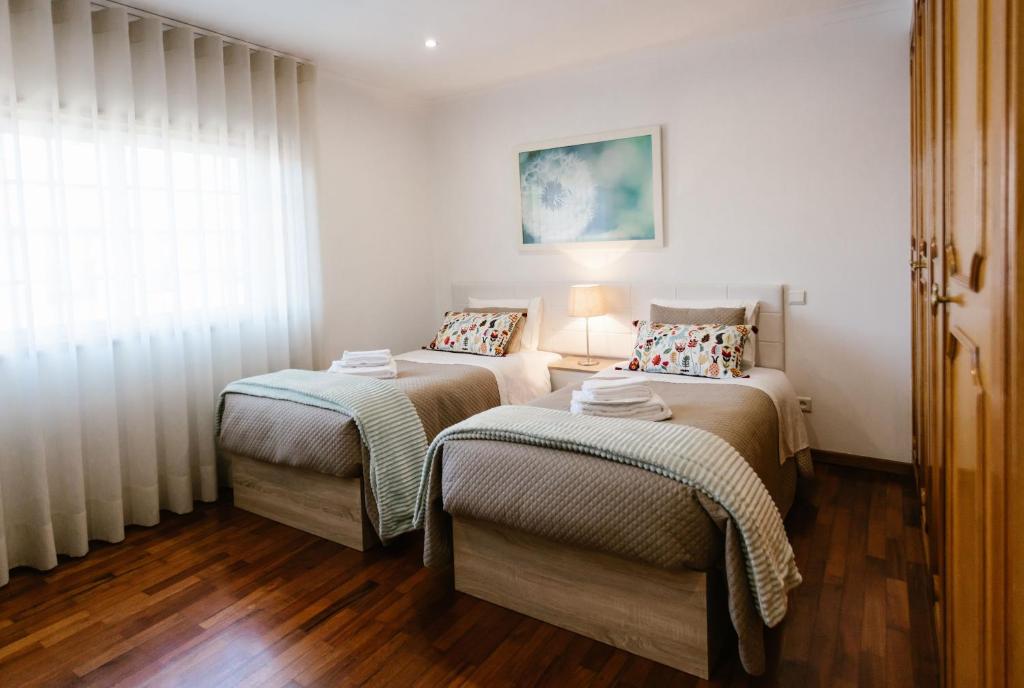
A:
[586,300]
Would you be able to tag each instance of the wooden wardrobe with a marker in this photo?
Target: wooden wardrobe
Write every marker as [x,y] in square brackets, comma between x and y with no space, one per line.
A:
[968,346]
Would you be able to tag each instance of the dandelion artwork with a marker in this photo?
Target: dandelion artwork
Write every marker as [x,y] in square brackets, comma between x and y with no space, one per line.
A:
[597,191]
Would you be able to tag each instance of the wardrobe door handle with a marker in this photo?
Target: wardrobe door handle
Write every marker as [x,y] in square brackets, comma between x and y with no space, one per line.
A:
[939,298]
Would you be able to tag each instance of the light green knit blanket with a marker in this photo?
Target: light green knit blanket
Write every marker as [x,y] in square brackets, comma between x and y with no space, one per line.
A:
[387,421]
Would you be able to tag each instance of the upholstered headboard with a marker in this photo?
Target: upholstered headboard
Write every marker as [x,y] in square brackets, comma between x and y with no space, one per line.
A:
[612,334]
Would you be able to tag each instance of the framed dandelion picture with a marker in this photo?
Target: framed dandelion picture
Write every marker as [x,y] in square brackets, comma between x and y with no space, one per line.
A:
[600,190]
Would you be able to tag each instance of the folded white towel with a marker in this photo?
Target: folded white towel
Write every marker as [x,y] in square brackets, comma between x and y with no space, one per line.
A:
[610,382]
[654,408]
[371,352]
[382,372]
[627,396]
[377,357]
[370,363]
[616,390]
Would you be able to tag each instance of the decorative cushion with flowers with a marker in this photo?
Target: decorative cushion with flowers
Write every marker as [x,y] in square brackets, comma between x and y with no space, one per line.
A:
[485,334]
[699,350]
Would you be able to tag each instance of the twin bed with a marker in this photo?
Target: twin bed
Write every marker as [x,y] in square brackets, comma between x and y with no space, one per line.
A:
[306,466]
[653,537]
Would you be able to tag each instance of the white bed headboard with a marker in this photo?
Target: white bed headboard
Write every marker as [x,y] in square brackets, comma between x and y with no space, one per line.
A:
[612,335]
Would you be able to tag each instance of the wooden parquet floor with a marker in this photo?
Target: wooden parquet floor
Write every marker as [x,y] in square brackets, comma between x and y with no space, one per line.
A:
[221,597]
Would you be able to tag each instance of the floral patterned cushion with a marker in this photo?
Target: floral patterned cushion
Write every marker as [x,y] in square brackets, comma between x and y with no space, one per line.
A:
[485,334]
[698,350]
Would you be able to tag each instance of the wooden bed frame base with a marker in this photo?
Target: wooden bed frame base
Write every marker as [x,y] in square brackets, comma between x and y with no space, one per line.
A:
[678,618]
[320,504]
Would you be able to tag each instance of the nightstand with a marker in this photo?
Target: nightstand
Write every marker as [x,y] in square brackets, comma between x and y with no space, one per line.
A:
[568,371]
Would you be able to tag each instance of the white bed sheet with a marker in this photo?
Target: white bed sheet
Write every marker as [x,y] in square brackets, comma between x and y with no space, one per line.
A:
[774,383]
[522,376]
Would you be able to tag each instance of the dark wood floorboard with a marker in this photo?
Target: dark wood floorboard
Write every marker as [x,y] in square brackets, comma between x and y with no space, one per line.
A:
[221,597]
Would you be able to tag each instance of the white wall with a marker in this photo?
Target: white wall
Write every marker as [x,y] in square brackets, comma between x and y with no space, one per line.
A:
[785,161]
[374,235]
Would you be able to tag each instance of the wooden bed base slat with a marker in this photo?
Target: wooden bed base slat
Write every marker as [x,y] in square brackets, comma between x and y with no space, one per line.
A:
[677,618]
[320,504]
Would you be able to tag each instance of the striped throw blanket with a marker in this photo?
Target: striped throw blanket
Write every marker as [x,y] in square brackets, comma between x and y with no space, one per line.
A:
[387,422]
[690,455]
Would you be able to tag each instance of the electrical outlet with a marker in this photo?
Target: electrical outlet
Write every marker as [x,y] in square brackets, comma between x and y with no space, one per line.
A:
[797,297]
[805,404]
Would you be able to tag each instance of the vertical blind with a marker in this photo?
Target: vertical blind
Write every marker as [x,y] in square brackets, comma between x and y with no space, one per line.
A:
[156,239]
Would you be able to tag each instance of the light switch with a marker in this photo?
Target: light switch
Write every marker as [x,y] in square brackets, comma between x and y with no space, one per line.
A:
[797,297]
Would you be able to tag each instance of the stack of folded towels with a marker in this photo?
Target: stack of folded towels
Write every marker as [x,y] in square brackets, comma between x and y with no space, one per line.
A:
[619,398]
[378,363]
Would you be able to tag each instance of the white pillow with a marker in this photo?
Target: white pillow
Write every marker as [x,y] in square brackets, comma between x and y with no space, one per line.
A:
[534,312]
[751,309]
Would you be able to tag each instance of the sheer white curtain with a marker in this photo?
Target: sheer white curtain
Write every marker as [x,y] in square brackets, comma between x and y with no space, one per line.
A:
[155,243]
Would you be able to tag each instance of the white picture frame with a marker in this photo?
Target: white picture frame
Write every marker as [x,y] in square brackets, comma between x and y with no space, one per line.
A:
[651,234]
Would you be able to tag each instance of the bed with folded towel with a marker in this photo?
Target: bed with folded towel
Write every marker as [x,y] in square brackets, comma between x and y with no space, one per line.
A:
[573,494]
[301,422]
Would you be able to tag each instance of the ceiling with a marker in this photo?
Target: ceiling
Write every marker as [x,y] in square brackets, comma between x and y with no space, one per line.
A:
[481,42]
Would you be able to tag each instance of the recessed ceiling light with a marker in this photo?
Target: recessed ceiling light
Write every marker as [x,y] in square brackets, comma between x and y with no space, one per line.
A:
[430,43]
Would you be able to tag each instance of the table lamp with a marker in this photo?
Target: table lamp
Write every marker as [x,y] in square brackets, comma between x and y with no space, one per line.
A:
[586,301]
